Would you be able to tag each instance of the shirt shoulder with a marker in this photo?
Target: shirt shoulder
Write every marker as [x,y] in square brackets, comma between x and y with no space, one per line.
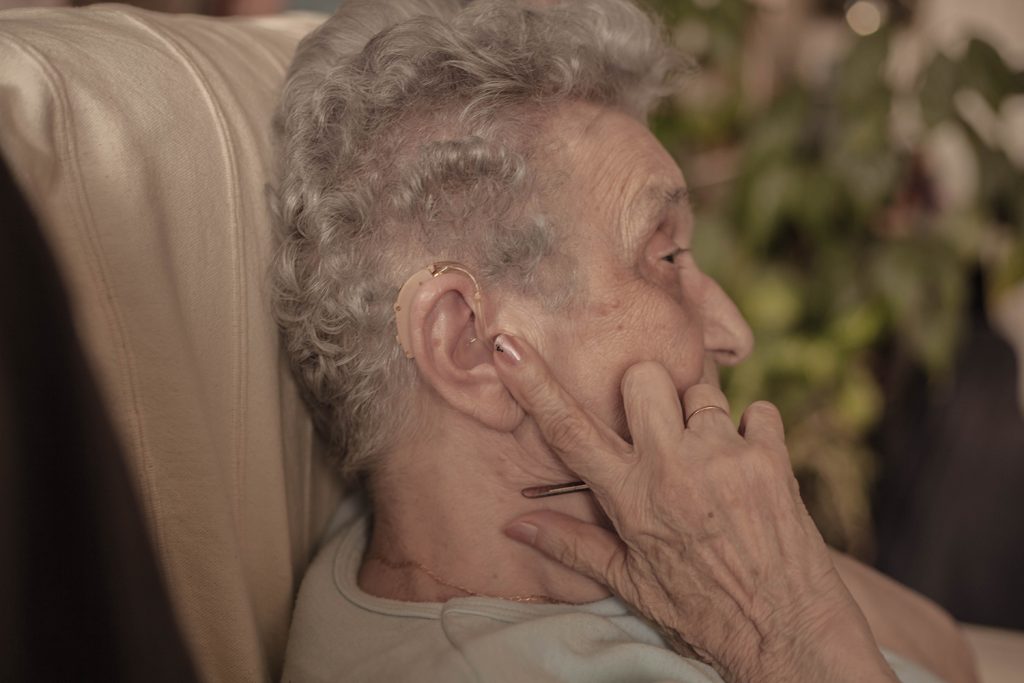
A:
[335,639]
[340,633]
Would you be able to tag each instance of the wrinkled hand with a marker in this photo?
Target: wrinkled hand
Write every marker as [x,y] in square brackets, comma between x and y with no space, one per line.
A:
[711,540]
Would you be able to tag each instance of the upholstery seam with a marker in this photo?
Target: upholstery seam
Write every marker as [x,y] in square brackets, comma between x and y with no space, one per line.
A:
[238,253]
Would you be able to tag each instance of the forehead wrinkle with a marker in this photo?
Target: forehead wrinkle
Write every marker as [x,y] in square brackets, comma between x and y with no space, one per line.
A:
[631,183]
[657,198]
[613,189]
[651,202]
[616,169]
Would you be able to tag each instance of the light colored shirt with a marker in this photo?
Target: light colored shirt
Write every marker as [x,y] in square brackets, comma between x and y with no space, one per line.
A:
[340,633]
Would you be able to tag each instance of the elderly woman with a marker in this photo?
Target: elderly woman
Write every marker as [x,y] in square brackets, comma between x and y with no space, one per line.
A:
[487,290]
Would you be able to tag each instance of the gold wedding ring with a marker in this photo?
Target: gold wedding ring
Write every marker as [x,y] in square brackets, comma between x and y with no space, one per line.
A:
[703,408]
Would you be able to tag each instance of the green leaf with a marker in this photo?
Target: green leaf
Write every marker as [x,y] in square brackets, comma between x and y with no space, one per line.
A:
[984,70]
[766,202]
[774,304]
[859,402]
[1006,273]
[937,90]
[858,328]
[861,75]
[925,289]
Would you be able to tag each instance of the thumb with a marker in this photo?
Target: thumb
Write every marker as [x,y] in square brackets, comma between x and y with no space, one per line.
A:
[583,547]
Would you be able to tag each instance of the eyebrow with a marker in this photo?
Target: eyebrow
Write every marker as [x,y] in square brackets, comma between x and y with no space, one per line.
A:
[677,195]
[653,202]
[657,198]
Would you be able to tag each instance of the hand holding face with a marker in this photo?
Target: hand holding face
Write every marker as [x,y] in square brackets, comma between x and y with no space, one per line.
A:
[711,540]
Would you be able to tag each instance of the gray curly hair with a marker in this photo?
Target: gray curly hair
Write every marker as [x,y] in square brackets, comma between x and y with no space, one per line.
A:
[406,134]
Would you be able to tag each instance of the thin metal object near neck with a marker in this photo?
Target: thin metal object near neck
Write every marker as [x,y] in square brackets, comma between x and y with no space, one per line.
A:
[554,489]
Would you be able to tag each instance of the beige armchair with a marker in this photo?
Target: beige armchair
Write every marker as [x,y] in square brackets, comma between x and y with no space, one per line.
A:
[141,141]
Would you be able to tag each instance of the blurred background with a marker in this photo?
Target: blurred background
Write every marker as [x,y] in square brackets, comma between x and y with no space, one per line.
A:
[858,173]
[857,170]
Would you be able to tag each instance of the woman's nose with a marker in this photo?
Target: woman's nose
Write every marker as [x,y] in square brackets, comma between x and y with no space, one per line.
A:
[728,338]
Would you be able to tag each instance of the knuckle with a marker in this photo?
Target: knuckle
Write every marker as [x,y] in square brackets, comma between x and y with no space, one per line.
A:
[698,446]
[539,390]
[640,375]
[721,469]
[632,526]
[612,570]
[759,466]
[629,506]
[566,428]
[569,553]
[764,409]
[639,410]
[694,392]
[705,390]
[766,419]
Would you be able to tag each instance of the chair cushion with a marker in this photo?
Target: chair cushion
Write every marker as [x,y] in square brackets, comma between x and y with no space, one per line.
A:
[142,142]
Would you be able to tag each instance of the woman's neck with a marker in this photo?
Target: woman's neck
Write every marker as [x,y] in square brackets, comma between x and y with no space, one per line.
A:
[439,509]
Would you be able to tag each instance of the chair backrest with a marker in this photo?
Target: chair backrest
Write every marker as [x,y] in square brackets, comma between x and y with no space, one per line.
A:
[142,142]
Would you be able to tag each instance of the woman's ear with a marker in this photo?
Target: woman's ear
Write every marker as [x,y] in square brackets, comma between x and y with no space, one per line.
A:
[454,356]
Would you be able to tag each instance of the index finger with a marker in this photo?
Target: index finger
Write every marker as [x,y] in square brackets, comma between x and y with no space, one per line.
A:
[585,444]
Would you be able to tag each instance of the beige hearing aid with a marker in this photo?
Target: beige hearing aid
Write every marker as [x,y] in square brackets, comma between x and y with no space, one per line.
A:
[402,305]
[405,296]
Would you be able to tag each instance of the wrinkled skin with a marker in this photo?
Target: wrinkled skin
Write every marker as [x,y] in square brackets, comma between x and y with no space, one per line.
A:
[711,541]
[707,535]
[736,493]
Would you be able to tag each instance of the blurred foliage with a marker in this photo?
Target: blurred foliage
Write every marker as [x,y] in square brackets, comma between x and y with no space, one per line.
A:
[825,222]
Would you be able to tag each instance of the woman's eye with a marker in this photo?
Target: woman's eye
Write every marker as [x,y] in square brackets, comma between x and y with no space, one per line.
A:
[674,256]
[663,249]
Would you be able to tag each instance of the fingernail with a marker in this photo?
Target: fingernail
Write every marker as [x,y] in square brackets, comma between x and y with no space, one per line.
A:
[522,532]
[504,345]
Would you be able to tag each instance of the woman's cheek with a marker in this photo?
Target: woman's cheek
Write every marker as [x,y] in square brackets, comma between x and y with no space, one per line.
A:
[680,346]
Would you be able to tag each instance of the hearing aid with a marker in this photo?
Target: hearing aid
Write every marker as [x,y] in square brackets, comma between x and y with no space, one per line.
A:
[402,307]
[403,303]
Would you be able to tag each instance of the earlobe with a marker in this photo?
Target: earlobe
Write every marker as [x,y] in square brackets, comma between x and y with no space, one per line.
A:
[451,352]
